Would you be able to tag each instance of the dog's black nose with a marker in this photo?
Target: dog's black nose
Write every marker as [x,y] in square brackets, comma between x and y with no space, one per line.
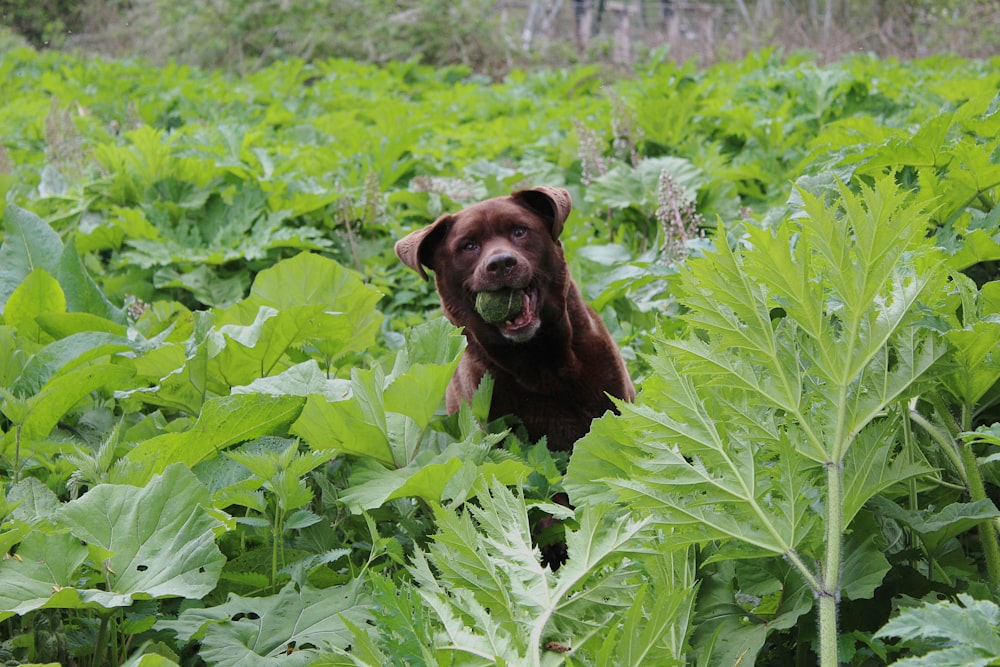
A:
[501,262]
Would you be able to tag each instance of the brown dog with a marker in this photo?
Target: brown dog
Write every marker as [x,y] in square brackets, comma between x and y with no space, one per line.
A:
[554,361]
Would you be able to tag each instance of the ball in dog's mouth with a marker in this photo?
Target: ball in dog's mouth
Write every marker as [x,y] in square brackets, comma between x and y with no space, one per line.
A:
[510,309]
[502,305]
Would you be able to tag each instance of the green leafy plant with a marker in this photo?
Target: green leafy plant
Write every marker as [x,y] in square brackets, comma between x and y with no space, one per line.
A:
[282,507]
[771,423]
[959,634]
[818,392]
[111,548]
[481,596]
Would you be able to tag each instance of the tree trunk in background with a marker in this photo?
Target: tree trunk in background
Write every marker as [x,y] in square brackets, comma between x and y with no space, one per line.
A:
[622,49]
[583,12]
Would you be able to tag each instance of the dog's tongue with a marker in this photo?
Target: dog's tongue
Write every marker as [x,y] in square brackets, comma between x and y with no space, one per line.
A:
[524,317]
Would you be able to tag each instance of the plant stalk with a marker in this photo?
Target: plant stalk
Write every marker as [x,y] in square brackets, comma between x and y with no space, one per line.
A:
[987,532]
[829,594]
[17,453]
[102,640]
[276,532]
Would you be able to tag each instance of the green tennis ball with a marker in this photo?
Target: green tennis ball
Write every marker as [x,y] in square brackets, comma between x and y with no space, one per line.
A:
[499,306]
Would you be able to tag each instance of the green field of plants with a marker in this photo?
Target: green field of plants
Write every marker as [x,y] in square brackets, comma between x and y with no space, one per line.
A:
[222,434]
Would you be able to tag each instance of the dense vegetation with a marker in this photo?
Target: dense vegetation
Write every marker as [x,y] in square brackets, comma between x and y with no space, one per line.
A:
[494,36]
[222,430]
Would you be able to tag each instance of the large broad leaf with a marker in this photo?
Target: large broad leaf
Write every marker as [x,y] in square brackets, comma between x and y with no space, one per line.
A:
[61,356]
[40,413]
[82,293]
[28,244]
[385,416]
[261,630]
[43,574]
[452,474]
[150,542]
[224,421]
[35,501]
[154,541]
[865,564]
[38,294]
[307,299]
[345,426]
[255,350]
[423,369]
[625,186]
[303,379]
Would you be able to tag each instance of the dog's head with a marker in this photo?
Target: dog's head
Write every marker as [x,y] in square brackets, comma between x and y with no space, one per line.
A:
[507,242]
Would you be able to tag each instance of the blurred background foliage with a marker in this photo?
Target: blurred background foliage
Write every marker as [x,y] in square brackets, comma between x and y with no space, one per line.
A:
[493,37]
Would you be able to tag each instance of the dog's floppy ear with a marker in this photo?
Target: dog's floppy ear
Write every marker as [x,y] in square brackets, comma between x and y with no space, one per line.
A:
[551,203]
[416,248]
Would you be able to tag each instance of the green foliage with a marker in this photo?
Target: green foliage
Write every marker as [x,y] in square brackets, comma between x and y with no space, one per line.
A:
[132,543]
[480,582]
[959,634]
[221,395]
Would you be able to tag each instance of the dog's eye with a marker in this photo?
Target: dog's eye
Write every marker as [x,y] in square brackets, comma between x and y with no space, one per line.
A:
[470,246]
[519,232]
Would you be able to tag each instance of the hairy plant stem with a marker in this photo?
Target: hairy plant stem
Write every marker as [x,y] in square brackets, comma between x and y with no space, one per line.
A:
[987,532]
[829,593]
[977,491]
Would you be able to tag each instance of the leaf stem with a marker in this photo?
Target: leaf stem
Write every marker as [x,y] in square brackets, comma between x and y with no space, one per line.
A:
[276,532]
[17,453]
[943,439]
[102,640]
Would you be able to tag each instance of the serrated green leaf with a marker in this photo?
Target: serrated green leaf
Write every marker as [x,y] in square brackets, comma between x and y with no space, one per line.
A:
[935,527]
[482,581]
[964,634]
[974,353]
[872,468]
